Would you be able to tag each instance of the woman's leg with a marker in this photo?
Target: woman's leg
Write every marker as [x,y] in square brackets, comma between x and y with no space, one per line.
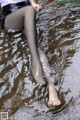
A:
[53,97]
[25,17]
[31,34]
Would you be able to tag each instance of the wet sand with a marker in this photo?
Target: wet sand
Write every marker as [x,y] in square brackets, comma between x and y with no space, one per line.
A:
[58,29]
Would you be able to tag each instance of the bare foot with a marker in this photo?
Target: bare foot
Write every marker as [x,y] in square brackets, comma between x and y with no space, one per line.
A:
[37,72]
[53,97]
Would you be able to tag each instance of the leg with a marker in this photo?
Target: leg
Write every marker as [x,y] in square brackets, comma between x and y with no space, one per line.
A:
[53,97]
[15,20]
[26,17]
[31,34]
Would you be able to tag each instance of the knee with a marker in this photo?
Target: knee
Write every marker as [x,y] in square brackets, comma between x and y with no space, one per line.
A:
[29,10]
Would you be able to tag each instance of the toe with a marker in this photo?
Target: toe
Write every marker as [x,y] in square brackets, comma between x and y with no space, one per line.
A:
[50,103]
[55,102]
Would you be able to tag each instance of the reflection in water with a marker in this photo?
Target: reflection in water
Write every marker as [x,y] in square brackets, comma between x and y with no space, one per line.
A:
[58,34]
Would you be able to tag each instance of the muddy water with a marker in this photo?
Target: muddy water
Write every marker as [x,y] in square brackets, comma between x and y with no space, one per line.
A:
[58,29]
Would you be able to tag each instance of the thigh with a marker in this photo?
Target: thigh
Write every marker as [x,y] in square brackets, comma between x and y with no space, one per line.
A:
[15,20]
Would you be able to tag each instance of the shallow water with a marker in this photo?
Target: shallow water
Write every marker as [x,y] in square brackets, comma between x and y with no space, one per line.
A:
[58,29]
